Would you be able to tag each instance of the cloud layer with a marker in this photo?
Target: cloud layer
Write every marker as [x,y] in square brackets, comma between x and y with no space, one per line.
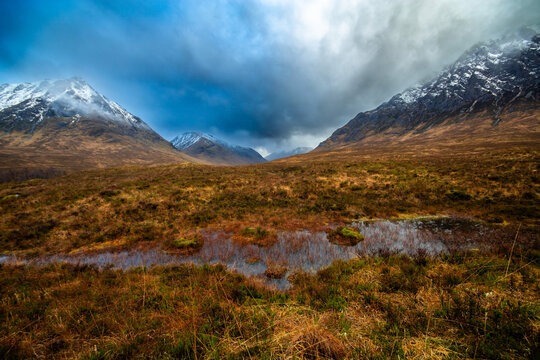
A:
[271,73]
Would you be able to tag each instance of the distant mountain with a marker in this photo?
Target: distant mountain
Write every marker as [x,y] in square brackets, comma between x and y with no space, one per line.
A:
[209,149]
[284,154]
[66,124]
[492,92]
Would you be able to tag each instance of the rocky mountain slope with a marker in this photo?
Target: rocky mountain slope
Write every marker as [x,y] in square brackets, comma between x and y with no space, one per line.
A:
[66,124]
[24,106]
[209,149]
[492,92]
[284,154]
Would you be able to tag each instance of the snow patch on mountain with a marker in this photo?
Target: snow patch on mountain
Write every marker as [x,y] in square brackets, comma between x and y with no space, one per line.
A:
[490,77]
[483,67]
[67,98]
[190,138]
[209,148]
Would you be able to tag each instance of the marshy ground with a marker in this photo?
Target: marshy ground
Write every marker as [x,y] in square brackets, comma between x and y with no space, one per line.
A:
[454,274]
[301,251]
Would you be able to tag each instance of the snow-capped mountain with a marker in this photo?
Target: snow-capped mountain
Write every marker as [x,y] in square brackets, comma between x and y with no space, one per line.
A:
[27,104]
[189,138]
[284,154]
[494,76]
[66,124]
[491,70]
[210,149]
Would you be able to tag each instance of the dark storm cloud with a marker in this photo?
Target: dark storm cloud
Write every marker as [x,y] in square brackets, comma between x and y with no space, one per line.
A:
[260,72]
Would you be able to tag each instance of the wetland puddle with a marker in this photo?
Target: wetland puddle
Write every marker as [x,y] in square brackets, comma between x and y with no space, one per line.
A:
[297,251]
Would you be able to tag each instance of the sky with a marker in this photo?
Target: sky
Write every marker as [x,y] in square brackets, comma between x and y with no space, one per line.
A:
[270,74]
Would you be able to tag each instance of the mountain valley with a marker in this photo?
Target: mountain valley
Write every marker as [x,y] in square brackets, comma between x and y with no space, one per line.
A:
[412,232]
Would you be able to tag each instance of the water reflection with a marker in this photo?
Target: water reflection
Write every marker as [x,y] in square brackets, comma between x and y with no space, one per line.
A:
[301,250]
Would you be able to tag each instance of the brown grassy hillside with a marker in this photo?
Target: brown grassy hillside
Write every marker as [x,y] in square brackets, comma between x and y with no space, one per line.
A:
[85,145]
[469,132]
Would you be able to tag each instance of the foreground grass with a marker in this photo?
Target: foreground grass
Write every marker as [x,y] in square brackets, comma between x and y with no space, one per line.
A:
[461,306]
[127,206]
[467,305]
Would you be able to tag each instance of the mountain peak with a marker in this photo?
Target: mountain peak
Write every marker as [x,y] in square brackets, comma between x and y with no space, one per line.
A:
[68,123]
[213,150]
[189,138]
[490,65]
[73,97]
[491,78]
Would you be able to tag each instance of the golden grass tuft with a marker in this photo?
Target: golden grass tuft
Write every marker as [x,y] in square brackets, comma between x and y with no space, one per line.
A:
[314,342]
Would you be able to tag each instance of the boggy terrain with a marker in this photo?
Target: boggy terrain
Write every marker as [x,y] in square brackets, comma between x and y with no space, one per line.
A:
[460,302]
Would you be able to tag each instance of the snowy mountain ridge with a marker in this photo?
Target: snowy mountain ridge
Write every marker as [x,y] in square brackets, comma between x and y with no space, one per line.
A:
[494,78]
[490,65]
[66,124]
[32,102]
[189,138]
[213,150]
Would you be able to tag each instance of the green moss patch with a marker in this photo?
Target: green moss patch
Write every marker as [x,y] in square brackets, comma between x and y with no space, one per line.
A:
[345,236]
[257,233]
[186,243]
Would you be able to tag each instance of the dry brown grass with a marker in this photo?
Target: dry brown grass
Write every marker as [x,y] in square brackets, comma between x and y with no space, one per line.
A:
[157,204]
[471,133]
[313,342]
[461,306]
[82,146]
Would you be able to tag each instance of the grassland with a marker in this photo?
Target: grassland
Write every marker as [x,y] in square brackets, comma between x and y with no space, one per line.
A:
[464,305]
[136,205]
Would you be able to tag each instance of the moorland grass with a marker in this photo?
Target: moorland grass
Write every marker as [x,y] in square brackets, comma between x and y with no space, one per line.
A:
[160,204]
[461,306]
